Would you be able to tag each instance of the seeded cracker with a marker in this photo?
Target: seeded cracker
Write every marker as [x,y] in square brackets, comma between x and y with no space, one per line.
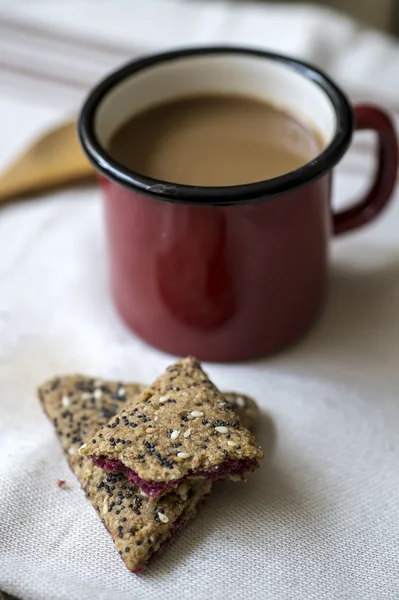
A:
[89,403]
[138,524]
[180,428]
[80,405]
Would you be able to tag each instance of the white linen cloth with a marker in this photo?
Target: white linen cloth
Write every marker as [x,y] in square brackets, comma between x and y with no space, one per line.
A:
[320,519]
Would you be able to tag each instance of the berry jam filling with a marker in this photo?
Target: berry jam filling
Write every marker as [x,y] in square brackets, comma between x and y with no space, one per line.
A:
[155,488]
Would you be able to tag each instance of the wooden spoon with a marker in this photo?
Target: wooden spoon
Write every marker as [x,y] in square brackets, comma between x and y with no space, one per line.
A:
[54,160]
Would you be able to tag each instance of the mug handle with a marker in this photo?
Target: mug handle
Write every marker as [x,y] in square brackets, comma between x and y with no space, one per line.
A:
[380,192]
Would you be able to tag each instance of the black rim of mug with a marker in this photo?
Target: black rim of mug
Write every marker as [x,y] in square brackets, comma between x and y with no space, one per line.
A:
[224,195]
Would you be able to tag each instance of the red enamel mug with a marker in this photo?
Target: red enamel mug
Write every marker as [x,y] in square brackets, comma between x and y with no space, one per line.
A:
[228,273]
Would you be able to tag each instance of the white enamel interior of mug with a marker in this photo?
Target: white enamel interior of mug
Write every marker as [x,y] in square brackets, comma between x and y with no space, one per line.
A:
[265,78]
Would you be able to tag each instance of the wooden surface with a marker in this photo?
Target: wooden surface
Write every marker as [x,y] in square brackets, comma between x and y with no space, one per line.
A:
[378,13]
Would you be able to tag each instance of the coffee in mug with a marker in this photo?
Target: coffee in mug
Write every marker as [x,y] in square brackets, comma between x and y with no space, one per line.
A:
[215,140]
[217,193]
